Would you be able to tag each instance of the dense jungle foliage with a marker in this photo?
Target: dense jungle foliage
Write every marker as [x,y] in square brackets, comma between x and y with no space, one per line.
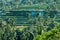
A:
[47,28]
[30,5]
[43,25]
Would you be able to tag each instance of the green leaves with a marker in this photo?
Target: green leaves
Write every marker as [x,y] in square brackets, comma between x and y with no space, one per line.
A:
[50,35]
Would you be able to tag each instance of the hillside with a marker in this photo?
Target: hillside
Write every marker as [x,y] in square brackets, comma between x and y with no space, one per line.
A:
[30,5]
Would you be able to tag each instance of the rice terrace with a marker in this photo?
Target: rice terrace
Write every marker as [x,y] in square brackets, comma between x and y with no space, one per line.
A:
[29,19]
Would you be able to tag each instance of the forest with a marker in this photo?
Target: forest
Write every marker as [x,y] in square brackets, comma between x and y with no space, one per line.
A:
[29,19]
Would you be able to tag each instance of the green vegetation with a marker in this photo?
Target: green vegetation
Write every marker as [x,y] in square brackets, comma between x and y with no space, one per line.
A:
[30,5]
[43,25]
[47,27]
[53,34]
